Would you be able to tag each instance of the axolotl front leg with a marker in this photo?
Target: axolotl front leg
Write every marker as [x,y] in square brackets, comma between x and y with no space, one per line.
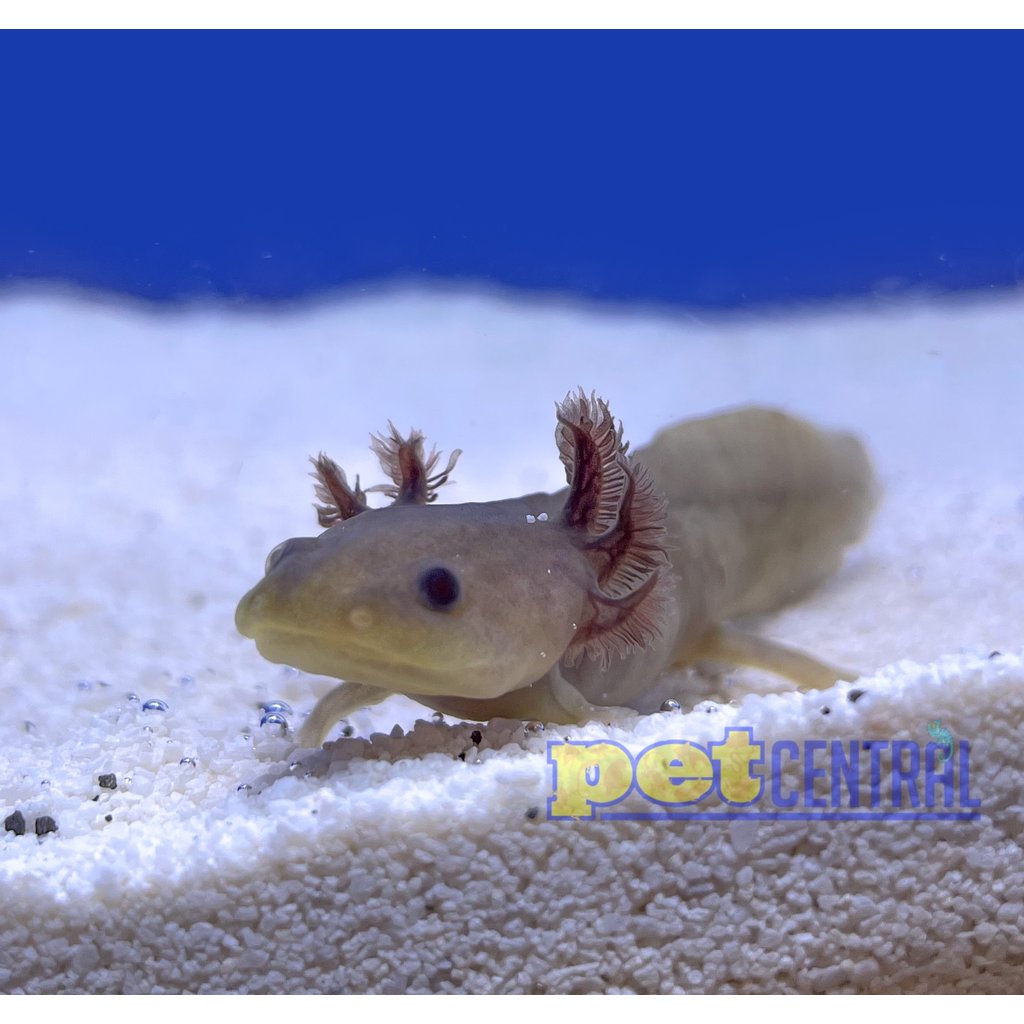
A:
[334,706]
[551,699]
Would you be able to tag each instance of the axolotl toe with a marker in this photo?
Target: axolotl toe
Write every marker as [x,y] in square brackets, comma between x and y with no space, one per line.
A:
[560,607]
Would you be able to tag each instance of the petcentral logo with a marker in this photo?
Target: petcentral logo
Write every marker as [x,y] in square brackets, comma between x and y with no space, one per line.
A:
[739,777]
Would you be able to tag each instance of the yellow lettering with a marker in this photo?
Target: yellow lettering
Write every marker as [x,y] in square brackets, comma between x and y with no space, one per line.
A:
[674,772]
[735,754]
[586,774]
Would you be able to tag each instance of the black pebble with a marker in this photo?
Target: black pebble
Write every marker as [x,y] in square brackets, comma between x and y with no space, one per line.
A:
[110,817]
[108,781]
[15,823]
[45,824]
[855,695]
[532,813]
[826,710]
[995,654]
[476,736]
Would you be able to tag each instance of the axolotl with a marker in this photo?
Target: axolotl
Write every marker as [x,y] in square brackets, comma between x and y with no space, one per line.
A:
[564,607]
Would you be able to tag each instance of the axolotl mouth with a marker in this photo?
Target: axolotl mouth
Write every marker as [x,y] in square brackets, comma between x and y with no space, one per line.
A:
[341,653]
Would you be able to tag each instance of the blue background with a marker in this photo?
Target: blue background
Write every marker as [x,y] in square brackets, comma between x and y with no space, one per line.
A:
[712,169]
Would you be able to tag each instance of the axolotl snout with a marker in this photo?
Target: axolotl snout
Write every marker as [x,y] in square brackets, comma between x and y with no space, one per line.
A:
[562,607]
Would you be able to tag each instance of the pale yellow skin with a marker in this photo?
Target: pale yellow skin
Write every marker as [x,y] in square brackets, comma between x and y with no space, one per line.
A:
[761,507]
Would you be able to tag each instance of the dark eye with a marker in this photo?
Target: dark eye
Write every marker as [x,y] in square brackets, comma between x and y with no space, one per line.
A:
[439,588]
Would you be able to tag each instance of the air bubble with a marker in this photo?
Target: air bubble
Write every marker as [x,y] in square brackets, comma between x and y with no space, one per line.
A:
[437,718]
[534,727]
[279,707]
[190,762]
[134,698]
[243,787]
[274,720]
[155,704]
[671,705]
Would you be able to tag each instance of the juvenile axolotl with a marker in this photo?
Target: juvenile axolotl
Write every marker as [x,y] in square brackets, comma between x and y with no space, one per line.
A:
[563,607]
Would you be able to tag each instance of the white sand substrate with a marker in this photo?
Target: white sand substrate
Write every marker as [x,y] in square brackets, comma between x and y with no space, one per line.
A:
[149,463]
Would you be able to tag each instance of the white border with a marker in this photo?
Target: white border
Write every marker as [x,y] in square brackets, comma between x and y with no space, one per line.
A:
[267,14]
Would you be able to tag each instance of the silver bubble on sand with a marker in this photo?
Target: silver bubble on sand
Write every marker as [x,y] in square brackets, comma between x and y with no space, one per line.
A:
[155,704]
[671,705]
[280,707]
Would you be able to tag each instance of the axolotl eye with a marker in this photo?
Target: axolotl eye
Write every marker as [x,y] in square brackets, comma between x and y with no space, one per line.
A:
[439,588]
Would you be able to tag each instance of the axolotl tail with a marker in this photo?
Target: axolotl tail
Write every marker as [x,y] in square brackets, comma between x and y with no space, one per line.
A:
[761,504]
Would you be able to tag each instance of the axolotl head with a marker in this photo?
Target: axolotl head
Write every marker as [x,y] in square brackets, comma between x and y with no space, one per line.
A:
[475,599]
[468,599]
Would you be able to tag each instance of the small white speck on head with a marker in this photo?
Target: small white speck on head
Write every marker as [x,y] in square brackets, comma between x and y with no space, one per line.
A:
[531,519]
[542,518]
[549,572]
[543,654]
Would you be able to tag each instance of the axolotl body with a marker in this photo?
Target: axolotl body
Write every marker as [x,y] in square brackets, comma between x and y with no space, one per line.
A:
[562,607]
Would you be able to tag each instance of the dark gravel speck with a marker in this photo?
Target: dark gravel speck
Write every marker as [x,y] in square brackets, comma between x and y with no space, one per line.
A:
[15,823]
[995,654]
[855,695]
[476,736]
[532,812]
[110,817]
[108,781]
[826,710]
[45,824]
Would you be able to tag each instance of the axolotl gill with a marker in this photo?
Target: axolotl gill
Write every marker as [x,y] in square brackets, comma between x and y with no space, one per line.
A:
[568,606]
